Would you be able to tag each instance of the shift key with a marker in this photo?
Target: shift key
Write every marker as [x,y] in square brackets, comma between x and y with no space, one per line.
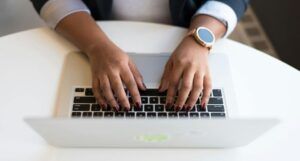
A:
[81,107]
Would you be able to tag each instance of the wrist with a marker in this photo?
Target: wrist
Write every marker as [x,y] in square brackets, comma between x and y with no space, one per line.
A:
[203,36]
[98,48]
[192,43]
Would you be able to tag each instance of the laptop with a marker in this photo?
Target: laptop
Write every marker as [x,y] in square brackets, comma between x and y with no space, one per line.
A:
[78,120]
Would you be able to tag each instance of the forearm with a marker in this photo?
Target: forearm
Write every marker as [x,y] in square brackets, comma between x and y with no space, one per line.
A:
[82,31]
[217,27]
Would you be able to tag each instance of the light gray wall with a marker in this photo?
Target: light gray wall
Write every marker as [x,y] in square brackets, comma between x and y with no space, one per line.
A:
[17,15]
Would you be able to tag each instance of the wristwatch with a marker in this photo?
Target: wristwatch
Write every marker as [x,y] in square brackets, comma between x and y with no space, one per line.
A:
[203,36]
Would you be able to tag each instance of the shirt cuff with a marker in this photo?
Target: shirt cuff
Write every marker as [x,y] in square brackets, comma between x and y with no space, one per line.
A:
[220,11]
[55,10]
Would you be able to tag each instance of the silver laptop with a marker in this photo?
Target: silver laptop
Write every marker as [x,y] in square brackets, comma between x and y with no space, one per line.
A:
[78,121]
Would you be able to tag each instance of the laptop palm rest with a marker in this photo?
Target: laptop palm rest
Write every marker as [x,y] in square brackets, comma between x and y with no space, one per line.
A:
[162,133]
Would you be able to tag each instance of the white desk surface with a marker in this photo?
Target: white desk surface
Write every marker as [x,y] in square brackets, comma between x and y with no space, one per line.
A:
[30,66]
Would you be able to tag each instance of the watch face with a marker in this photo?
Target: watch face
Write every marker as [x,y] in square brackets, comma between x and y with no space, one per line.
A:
[205,35]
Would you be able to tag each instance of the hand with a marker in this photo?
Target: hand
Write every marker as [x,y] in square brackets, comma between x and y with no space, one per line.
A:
[111,67]
[189,62]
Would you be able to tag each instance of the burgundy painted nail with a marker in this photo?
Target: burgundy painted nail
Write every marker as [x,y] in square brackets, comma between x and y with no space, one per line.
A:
[144,85]
[102,106]
[177,108]
[203,106]
[137,105]
[159,88]
[189,108]
[168,105]
[116,109]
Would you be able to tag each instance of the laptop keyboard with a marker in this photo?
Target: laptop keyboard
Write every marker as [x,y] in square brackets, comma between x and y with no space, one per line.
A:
[153,106]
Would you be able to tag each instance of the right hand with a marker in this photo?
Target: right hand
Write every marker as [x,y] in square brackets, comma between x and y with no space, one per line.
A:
[111,67]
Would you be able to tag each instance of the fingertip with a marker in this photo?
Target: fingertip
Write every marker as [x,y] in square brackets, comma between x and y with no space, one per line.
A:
[138,105]
[116,108]
[144,86]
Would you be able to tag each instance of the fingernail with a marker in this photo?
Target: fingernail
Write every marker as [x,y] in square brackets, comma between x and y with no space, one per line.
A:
[137,105]
[144,85]
[188,108]
[203,106]
[116,109]
[177,108]
[168,105]
[102,105]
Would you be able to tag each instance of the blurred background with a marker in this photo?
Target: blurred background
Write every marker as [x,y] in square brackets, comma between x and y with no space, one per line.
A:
[271,26]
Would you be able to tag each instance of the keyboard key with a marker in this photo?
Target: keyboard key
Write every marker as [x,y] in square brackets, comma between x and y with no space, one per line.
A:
[204,115]
[200,109]
[84,99]
[108,108]
[130,114]
[152,92]
[173,115]
[79,89]
[162,115]
[215,108]
[194,115]
[140,114]
[98,114]
[81,107]
[89,92]
[137,108]
[215,100]
[154,100]
[76,114]
[170,109]
[162,100]
[183,114]
[119,114]
[151,115]
[87,114]
[193,109]
[159,107]
[148,107]
[144,100]
[108,114]
[217,92]
[219,115]
[95,107]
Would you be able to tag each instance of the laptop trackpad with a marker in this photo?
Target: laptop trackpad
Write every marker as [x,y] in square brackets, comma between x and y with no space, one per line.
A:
[151,66]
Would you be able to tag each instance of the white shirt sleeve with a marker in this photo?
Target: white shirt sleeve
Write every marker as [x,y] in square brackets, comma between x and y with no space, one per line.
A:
[220,11]
[55,10]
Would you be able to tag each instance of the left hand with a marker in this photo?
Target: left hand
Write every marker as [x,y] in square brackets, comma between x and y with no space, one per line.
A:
[188,62]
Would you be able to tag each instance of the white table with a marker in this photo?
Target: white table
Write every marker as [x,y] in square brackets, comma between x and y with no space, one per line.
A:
[30,67]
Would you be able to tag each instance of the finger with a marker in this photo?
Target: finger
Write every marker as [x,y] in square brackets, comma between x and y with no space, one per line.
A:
[131,85]
[106,92]
[137,76]
[185,89]
[174,79]
[164,83]
[117,86]
[206,90]
[195,93]
[97,93]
